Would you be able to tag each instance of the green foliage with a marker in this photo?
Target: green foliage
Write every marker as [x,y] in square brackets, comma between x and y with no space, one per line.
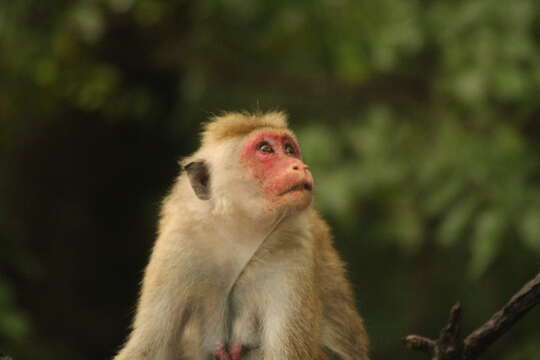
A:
[488,49]
[477,185]
[14,323]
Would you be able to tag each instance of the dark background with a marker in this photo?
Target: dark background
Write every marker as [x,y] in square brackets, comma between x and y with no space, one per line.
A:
[420,120]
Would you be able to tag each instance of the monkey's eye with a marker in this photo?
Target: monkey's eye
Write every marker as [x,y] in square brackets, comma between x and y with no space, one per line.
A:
[265,147]
[289,148]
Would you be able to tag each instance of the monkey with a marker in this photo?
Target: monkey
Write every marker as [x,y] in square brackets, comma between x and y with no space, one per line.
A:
[243,266]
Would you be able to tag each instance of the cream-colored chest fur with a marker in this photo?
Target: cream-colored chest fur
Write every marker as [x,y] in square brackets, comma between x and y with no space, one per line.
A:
[247,283]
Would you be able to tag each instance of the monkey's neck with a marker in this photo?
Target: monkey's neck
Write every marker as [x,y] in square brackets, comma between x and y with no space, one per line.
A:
[255,245]
[242,225]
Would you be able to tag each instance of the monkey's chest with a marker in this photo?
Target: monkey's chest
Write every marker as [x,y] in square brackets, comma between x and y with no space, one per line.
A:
[230,310]
[245,293]
[246,309]
[246,306]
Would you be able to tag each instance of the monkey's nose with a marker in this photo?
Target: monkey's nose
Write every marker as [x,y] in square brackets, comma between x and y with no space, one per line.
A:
[300,166]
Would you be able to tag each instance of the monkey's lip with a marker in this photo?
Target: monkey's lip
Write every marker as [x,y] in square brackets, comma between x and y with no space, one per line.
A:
[299,187]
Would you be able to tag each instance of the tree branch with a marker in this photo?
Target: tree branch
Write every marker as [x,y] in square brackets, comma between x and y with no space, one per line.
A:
[451,346]
[523,301]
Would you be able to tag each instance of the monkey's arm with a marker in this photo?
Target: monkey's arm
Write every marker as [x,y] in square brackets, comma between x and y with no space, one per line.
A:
[344,335]
[343,332]
[162,310]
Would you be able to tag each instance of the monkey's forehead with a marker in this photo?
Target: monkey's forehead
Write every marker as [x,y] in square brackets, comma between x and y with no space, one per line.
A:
[271,131]
[231,125]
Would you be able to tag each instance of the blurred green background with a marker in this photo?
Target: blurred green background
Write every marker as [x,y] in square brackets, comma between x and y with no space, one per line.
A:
[420,120]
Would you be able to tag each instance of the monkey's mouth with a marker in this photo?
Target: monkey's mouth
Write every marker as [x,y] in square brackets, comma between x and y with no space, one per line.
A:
[299,187]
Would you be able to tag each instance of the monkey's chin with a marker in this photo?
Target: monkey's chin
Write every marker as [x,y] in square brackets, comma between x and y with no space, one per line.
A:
[295,200]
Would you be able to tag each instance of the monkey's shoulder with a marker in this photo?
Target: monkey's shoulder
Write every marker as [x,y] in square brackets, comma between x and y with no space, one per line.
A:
[320,230]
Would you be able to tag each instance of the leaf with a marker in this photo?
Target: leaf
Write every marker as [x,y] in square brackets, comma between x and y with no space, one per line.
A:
[529,228]
[454,224]
[486,241]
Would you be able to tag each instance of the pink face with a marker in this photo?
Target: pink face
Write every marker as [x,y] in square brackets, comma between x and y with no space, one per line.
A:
[274,159]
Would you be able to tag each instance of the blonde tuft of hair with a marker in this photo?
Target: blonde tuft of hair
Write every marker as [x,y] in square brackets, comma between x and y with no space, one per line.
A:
[234,124]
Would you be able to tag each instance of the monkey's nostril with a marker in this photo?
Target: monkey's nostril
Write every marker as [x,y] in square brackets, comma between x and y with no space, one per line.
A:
[295,167]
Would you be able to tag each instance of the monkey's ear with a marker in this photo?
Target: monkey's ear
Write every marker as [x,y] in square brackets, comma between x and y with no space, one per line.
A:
[199,177]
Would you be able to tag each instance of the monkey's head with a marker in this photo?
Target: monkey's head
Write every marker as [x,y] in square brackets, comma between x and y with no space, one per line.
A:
[251,162]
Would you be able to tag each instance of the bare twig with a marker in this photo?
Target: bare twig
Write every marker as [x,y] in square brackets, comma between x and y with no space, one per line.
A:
[451,346]
[524,300]
[420,343]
